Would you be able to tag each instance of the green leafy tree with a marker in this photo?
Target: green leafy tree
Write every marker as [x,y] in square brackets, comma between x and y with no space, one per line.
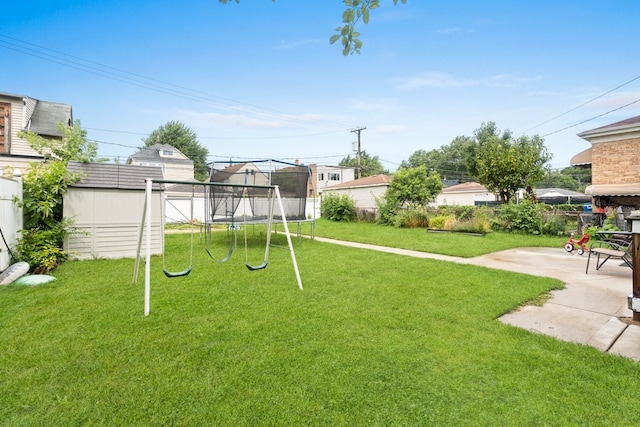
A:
[508,164]
[571,178]
[180,136]
[370,165]
[356,11]
[414,187]
[450,161]
[487,132]
[44,185]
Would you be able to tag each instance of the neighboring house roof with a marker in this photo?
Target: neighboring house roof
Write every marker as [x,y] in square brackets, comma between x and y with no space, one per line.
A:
[465,187]
[152,154]
[114,175]
[583,158]
[369,181]
[45,115]
[632,123]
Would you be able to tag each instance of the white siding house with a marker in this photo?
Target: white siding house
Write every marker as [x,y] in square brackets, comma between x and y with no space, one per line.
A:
[20,113]
[363,191]
[328,176]
[465,194]
[174,164]
[106,207]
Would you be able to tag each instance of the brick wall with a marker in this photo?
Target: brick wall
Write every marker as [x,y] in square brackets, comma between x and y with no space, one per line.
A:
[616,162]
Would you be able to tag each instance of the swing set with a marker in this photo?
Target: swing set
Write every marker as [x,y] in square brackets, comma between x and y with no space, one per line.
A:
[241,191]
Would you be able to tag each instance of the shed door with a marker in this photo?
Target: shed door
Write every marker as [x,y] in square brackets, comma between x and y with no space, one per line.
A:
[5,131]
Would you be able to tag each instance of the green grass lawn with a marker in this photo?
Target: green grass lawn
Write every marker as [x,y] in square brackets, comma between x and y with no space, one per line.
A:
[374,339]
[418,239]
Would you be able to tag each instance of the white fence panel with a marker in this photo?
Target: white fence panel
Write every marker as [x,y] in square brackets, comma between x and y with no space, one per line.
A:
[10,217]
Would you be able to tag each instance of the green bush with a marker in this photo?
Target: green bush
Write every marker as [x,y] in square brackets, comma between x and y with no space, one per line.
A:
[460,212]
[523,217]
[387,210]
[442,222]
[338,207]
[42,248]
[412,218]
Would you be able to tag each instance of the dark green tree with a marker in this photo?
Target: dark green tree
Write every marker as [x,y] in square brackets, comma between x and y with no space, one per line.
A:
[180,136]
[370,165]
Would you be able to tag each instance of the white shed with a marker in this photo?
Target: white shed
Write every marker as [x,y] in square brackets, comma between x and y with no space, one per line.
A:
[106,207]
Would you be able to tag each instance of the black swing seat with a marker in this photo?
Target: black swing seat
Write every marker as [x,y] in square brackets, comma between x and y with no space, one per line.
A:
[182,273]
[257,267]
[225,259]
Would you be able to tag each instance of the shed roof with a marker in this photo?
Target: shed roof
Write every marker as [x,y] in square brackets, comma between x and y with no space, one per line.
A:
[114,175]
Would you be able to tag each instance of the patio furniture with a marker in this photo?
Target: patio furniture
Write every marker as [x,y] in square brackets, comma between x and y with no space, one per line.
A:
[610,248]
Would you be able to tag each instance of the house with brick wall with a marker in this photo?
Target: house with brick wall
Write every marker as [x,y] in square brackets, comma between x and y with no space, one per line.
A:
[614,158]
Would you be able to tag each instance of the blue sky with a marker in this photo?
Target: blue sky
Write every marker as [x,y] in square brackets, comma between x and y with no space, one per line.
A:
[260,80]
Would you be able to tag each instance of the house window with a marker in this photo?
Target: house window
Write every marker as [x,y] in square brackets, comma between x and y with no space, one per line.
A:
[334,177]
[321,176]
[167,153]
[5,128]
[162,165]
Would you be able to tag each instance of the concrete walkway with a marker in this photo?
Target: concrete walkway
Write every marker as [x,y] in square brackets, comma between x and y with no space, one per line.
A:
[591,309]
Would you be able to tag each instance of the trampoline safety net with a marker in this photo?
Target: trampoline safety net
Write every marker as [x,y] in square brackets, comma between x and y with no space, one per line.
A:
[232,203]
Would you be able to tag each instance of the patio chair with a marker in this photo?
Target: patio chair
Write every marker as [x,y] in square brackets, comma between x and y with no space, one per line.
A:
[610,248]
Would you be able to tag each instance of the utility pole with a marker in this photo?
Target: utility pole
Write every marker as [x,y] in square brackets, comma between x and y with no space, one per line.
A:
[358,130]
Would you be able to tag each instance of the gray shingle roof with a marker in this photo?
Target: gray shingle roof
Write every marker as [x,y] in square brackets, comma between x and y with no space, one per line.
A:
[47,115]
[114,176]
[152,154]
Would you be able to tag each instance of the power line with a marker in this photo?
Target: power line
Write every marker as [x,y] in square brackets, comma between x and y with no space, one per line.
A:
[583,104]
[592,118]
[138,80]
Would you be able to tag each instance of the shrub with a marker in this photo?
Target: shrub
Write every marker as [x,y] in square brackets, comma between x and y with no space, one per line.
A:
[442,222]
[554,224]
[42,248]
[387,210]
[460,212]
[338,207]
[523,217]
[412,218]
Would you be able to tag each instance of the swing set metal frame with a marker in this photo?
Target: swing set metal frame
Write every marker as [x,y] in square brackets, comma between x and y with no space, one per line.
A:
[145,230]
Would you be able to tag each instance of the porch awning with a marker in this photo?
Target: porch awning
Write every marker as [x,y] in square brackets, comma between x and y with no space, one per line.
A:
[613,190]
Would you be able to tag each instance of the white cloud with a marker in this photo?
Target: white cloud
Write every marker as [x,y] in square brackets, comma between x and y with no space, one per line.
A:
[288,45]
[436,79]
[454,30]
